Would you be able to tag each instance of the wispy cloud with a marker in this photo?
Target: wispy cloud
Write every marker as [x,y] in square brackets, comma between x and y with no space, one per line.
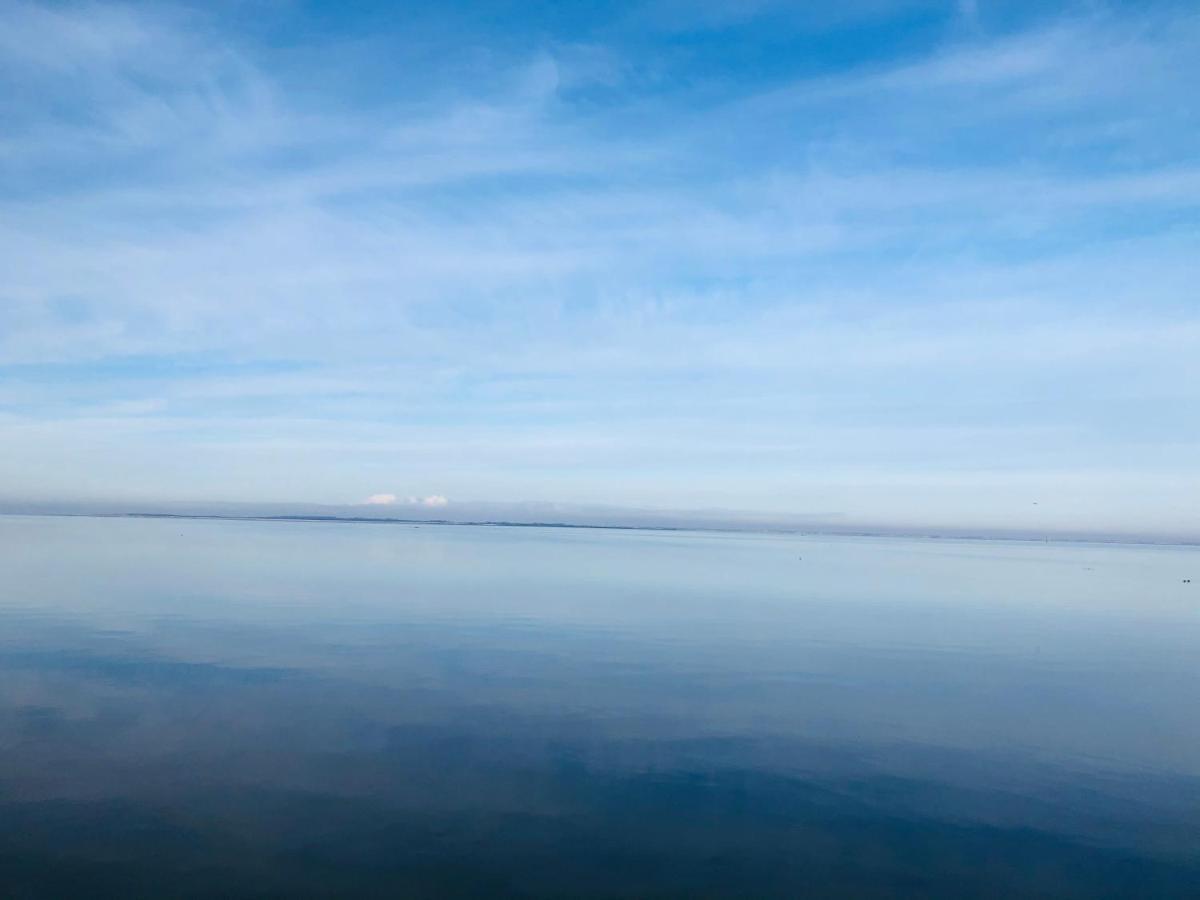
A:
[588,269]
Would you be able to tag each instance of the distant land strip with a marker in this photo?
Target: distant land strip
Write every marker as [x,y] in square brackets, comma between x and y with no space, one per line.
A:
[741,529]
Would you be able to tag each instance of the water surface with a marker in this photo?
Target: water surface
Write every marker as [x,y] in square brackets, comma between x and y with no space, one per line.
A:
[199,708]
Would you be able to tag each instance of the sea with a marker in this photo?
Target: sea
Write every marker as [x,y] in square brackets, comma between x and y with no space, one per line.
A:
[233,708]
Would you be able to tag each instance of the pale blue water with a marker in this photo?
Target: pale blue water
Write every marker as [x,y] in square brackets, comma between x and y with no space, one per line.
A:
[222,708]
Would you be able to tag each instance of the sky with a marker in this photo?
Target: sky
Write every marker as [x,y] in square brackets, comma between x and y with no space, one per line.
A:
[875,261]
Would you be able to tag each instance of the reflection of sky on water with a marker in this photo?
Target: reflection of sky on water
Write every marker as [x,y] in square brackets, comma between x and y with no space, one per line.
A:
[522,710]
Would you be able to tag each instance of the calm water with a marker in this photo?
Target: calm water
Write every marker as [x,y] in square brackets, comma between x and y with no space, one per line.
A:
[198,708]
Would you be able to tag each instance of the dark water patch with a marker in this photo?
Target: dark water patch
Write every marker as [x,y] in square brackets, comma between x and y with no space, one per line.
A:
[687,835]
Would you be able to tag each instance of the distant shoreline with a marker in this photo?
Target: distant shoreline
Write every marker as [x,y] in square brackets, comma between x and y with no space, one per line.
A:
[1130,540]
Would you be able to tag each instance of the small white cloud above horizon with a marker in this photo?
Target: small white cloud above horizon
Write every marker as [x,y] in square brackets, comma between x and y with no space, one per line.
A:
[380,500]
[433,500]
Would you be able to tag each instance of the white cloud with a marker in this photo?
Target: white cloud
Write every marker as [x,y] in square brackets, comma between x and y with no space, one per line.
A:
[432,501]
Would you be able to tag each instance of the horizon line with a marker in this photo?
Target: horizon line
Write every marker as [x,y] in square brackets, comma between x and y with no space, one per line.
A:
[899,532]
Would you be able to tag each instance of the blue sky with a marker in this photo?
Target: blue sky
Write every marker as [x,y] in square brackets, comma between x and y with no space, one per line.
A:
[886,261]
